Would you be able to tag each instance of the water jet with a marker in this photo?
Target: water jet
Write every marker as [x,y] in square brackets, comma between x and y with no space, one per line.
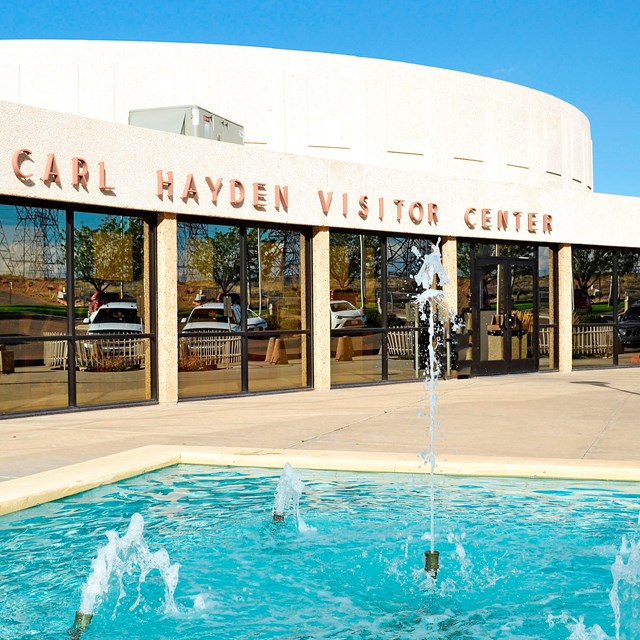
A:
[431,277]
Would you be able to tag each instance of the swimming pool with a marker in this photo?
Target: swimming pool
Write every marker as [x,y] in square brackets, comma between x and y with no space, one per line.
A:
[518,558]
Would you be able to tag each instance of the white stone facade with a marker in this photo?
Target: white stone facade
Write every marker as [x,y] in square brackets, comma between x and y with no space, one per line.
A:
[330,142]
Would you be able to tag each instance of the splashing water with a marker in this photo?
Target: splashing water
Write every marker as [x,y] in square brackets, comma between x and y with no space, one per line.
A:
[430,301]
[290,489]
[119,557]
[581,632]
[624,573]
[466,566]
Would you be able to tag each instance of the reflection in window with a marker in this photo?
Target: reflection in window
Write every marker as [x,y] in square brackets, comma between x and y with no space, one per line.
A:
[463,338]
[111,257]
[593,342]
[407,339]
[208,264]
[32,271]
[212,296]
[628,307]
[275,286]
[276,291]
[547,308]
[209,362]
[379,334]
[355,268]
[32,304]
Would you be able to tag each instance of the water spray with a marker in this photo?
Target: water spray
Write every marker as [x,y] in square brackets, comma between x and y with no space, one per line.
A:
[117,556]
[431,274]
[289,490]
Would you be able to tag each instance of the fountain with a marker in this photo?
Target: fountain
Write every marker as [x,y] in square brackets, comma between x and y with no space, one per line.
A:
[430,302]
[378,589]
[289,491]
[117,557]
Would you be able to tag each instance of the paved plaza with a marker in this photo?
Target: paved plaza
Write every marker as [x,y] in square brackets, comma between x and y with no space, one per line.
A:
[588,415]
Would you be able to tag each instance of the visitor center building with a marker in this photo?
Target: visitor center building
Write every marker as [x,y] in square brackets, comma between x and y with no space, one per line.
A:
[185,221]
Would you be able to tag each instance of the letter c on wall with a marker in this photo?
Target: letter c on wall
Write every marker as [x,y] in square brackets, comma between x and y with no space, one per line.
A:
[16,161]
[467,218]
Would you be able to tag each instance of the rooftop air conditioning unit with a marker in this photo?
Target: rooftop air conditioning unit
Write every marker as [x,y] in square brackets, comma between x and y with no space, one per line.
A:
[189,120]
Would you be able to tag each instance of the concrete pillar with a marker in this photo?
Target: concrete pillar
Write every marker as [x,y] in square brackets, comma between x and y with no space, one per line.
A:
[565,308]
[449,250]
[321,319]
[167,243]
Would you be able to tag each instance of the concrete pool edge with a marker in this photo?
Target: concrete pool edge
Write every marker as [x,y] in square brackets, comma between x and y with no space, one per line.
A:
[46,486]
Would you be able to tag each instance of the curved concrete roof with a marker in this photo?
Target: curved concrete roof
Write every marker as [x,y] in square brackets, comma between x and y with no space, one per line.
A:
[373,112]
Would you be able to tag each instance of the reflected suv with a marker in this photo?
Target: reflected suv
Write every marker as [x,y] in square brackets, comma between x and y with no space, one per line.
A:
[211,317]
[629,327]
[114,317]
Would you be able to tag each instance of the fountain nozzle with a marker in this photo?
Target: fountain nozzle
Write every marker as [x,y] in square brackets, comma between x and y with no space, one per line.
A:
[278,517]
[80,625]
[432,563]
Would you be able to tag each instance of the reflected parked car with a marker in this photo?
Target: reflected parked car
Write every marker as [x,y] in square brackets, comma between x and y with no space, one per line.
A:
[344,314]
[100,298]
[629,327]
[211,317]
[114,317]
[581,300]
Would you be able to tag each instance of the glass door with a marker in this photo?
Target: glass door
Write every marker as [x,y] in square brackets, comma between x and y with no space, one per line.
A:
[505,315]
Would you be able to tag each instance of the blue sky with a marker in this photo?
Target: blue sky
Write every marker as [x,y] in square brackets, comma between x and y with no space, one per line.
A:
[587,52]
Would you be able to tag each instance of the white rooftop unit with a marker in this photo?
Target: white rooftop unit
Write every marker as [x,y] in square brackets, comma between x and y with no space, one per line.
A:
[189,120]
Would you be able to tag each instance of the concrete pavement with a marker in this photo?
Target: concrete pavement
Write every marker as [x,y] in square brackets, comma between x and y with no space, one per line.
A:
[586,415]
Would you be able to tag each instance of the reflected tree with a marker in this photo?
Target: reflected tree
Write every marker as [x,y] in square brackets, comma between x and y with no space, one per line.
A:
[112,252]
[351,256]
[217,257]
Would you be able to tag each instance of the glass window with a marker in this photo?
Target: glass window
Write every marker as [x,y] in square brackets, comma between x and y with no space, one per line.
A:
[111,267]
[462,346]
[33,304]
[628,307]
[355,308]
[547,308]
[593,307]
[407,333]
[209,342]
[242,302]
[33,263]
[276,309]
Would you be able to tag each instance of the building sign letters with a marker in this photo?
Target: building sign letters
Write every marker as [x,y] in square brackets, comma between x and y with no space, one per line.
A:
[261,196]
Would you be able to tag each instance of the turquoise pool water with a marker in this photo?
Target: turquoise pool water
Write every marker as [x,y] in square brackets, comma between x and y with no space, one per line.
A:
[519,559]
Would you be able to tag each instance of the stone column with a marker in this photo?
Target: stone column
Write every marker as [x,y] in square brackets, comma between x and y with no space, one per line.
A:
[167,325]
[449,250]
[321,319]
[565,308]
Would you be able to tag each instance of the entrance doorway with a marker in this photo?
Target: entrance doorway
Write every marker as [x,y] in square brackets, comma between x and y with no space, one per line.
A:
[505,313]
